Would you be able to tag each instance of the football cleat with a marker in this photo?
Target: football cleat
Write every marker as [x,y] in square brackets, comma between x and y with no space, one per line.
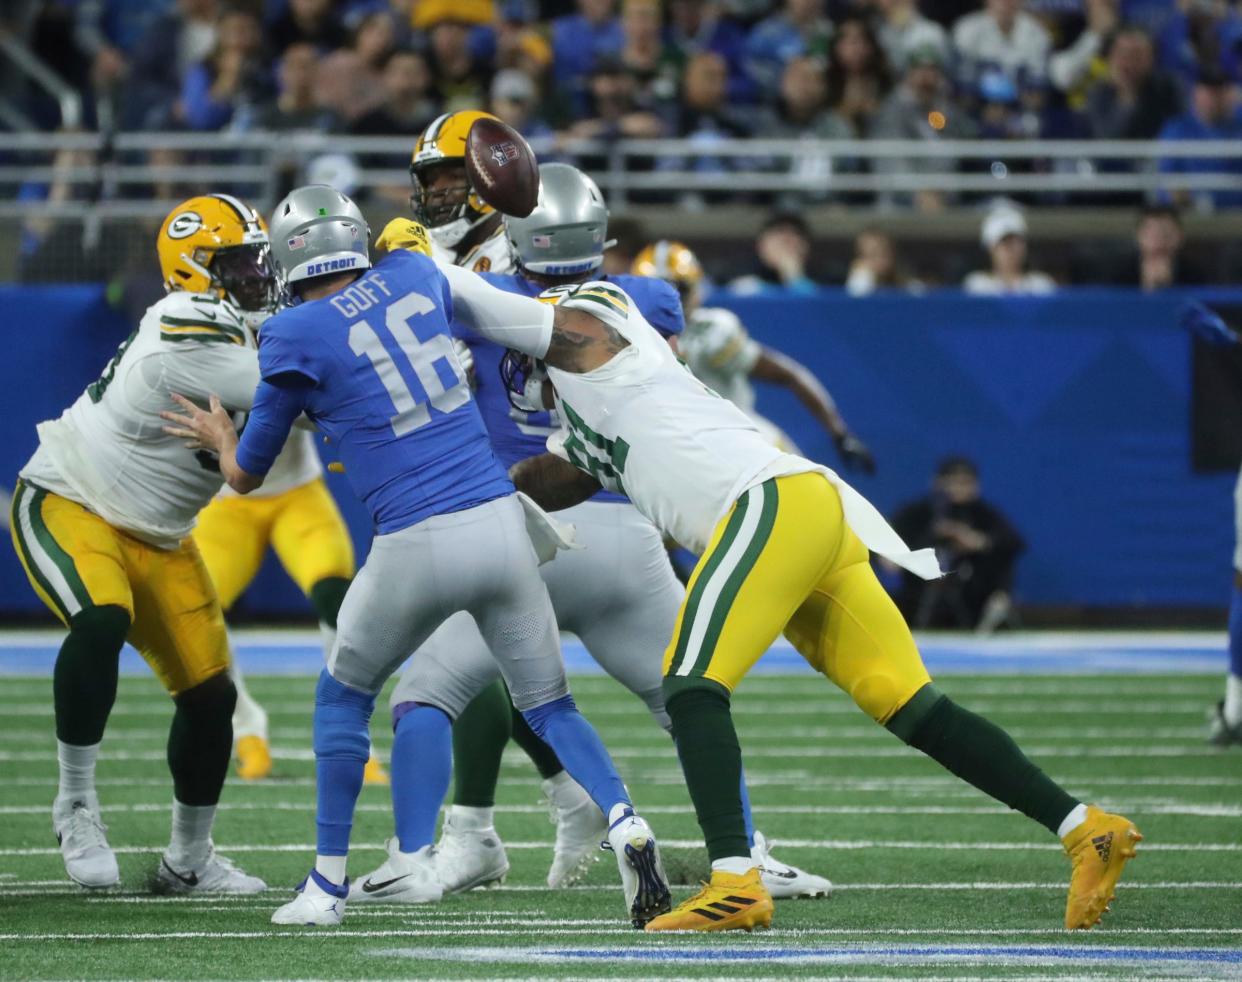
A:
[403,878]
[374,772]
[215,875]
[1099,849]
[785,882]
[254,758]
[469,858]
[1220,733]
[319,903]
[642,871]
[730,902]
[89,860]
[580,826]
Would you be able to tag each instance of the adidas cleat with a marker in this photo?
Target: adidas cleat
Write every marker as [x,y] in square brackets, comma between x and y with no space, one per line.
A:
[254,758]
[319,903]
[579,827]
[89,860]
[1099,849]
[728,903]
[403,878]
[1220,733]
[642,872]
[215,875]
[785,882]
[374,772]
[468,858]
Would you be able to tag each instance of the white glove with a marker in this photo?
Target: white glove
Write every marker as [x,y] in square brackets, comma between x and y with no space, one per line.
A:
[465,358]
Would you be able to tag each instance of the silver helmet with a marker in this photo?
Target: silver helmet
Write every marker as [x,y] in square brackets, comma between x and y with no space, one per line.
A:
[565,233]
[317,230]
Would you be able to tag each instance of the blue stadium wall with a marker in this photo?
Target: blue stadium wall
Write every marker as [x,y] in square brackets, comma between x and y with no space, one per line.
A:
[1077,408]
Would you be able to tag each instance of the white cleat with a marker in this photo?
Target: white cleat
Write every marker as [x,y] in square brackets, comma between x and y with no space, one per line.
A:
[469,858]
[319,903]
[642,871]
[580,826]
[403,878]
[89,860]
[214,875]
[785,882]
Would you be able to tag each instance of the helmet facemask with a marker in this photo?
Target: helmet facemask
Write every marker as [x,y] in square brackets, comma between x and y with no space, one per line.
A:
[245,275]
[445,207]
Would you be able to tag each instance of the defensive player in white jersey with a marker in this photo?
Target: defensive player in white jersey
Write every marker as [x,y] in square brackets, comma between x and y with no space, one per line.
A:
[719,351]
[785,547]
[101,522]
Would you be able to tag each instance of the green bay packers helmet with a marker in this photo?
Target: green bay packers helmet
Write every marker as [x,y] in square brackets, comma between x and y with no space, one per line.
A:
[442,198]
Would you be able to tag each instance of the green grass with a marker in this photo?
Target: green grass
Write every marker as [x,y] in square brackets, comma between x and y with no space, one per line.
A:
[925,867]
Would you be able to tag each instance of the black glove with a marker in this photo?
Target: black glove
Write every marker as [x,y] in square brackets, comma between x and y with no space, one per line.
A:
[854,453]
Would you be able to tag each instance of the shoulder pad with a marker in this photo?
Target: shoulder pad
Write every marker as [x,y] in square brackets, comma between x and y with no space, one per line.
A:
[199,317]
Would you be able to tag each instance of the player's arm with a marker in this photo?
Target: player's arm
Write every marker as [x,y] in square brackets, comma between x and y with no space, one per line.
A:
[553,482]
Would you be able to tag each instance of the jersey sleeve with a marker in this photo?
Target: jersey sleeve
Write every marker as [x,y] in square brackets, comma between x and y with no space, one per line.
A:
[276,407]
[206,351]
[663,310]
[284,349]
[726,345]
[507,319]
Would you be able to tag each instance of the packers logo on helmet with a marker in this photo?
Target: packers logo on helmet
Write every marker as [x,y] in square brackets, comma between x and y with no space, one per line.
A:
[443,199]
[217,244]
[673,262]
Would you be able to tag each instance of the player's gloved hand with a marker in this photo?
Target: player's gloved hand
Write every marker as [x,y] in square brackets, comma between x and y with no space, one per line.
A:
[404,233]
[855,454]
[1205,324]
[466,358]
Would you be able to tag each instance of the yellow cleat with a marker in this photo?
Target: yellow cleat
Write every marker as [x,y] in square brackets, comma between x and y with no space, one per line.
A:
[1099,849]
[729,903]
[375,773]
[254,758]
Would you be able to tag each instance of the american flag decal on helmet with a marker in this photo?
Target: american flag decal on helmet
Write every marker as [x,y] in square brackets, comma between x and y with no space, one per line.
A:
[297,242]
[505,153]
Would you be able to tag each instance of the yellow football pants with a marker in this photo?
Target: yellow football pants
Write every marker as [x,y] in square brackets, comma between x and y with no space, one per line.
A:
[784,560]
[303,526]
[74,560]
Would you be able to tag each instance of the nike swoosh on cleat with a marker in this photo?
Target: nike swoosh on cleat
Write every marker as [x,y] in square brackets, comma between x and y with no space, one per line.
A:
[788,875]
[190,881]
[369,887]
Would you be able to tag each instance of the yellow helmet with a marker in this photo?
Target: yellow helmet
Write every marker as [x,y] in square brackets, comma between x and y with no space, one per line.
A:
[673,262]
[447,212]
[215,243]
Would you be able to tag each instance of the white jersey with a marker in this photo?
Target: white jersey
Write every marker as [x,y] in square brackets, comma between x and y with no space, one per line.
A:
[492,255]
[108,451]
[719,351]
[645,427]
[297,464]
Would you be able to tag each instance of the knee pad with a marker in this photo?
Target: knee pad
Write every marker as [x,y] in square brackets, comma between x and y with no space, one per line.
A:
[104,628]
[541,716]
[403,709]
[213,699]
[342,716]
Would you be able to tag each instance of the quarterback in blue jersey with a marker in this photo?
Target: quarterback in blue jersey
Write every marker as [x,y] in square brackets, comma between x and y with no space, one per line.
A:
[618,594]
[367,355]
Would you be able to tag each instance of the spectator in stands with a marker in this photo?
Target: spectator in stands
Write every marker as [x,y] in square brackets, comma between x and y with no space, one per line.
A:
[696,26]
[1198,33]
[174,44]
[297,106]
[875,265]
[644,53]
[105,30]
[921,108]
[800,29]
[579,41]
[977,546]
[313,22]
[614,111]
[350,81]
[782,250]
[705,112]
[1213,115]
[858,74]
[408,104]
[1134,101]
[1004,36]
[903,31]
[234,76]
[461,77]
[1158,262]
[1070,68]
[802,112]
[1004,238]
[515,99]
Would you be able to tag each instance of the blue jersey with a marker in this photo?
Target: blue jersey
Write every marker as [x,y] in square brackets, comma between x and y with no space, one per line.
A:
[517,435]
[388,391]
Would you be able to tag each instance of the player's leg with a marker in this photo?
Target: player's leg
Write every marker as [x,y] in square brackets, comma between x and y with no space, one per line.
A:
[850,629]
[1226,717]
[231,535]
[72,559]
[179,629]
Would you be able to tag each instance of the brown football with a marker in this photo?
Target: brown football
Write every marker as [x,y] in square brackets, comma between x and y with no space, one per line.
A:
[502,167]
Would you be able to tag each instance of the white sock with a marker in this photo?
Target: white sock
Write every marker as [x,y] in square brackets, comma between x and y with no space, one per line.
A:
[331,868]
[249,718]
[1077,815]
[1233,699]
[562,789]
[191,834]
[737,865]
[77,770]
[470,819]
[617,811]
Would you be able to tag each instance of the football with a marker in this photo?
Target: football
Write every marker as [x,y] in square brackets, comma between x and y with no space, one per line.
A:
[502,167]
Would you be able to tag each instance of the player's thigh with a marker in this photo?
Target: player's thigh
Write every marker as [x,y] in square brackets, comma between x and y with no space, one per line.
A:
[72,557]
[449,669]
[762,562]
[232,535]
[310,536]
[851,630]
[178,622]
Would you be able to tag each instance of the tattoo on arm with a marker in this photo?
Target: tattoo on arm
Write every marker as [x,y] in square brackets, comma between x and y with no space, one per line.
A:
[554,483]
[581,342]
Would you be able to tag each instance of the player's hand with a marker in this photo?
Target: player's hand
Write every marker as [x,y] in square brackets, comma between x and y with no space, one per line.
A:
[201,429]
[404,233]
[1205,324]
[854,453]
[465,358]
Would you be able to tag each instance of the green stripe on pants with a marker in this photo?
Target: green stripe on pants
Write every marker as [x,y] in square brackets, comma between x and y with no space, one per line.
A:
[62,559]
[20,503]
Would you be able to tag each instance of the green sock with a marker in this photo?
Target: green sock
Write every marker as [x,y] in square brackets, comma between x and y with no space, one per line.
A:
[982,754]
[200,740]
[326,598]
[542,756]
[711,760]
[480,734]
[85,677]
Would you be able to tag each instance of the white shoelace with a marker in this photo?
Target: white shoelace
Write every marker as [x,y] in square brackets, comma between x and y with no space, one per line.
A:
[86,830]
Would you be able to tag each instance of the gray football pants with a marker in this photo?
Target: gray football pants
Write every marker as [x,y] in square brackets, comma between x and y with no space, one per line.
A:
[618,595]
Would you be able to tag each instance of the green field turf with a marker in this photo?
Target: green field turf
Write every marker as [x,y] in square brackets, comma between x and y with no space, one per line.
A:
[932,879]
